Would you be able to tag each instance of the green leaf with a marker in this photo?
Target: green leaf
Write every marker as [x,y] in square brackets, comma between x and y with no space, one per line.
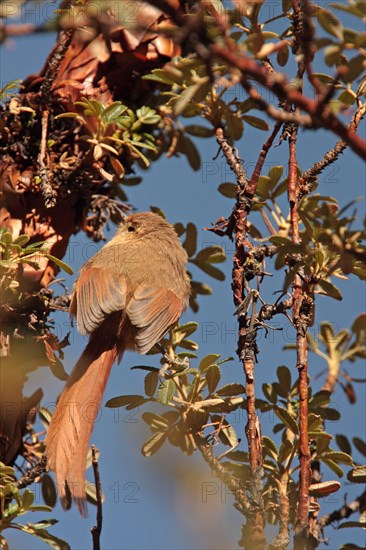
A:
[357,475]
[280,240]
[36,530]
[247,105]
[159,75]
[62,265]
[256,122]
[254,42]
[284,378]
[219,404]
[208,360]
[128,401]
[41,508]
[228,435]
[155,421]
[231,389]
[320,435]
[188,354]
[145,368]
[329,22]
[171,416]
[49,494]
[269,392]
[315,422]
[21,240]
[146,115]
[199,131]
[287,419]
[355,68]
[188,344]
[45,523]
[6,237]
[190,93]
[209,269]
[151,381]
[285,450]
[343,443]
[339,457]
[357,9]
[360,445]
[187,329]
[113,111]
[332,55]
[275,174]
[325,79]
[283,55]
[270,447]
[27,499]
[320,399]
[350,546]
[213,376]
[346,524]
[328,289]
[348,97]
[327,413]
[234,124]
[333,466]
[190,150]
[190,243]
[166,391]
[211,254]
[228,190]
[153,444]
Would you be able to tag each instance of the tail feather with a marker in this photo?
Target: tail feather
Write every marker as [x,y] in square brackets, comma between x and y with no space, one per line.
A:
[69,433]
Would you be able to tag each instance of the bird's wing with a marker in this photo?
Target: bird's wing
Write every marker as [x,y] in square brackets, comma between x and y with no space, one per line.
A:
[152,311]
[97,294]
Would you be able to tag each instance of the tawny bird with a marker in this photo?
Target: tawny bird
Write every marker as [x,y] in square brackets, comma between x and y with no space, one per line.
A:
[126,297]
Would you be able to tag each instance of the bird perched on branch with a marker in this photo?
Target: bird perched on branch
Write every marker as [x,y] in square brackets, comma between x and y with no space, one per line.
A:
[126,297]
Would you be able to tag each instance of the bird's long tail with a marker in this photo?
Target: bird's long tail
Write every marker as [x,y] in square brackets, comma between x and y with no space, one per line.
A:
[68,436]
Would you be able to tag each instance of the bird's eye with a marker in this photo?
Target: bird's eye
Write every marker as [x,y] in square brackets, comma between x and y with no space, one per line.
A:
[130,228]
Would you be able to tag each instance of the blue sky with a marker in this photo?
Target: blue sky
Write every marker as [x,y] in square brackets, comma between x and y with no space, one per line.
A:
[170,501]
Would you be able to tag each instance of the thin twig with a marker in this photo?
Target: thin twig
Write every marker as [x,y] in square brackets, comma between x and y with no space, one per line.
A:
[31,475]
[97,529]
[279,85]
[344,512]
[242,502]
[278,115]
[252,185]
[49,194]
[311,175]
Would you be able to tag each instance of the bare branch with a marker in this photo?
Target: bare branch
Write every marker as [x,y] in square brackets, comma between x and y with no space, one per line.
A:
[97,529]
[279,85]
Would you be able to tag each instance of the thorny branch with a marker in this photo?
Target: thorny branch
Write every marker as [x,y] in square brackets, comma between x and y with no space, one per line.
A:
[246,337]
[344,512]
[31,475]
[49,194]
[54,63]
